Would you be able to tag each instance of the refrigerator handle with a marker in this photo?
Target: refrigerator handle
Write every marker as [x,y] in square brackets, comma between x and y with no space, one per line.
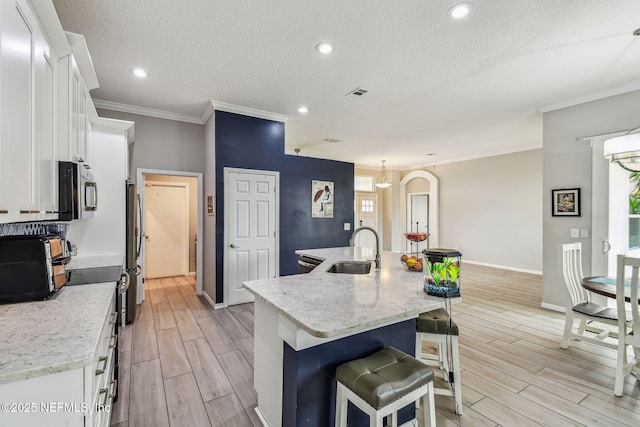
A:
[140,228]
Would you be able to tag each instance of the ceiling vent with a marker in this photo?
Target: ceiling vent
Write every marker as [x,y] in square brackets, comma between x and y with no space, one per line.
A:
[356,93]
[331,140]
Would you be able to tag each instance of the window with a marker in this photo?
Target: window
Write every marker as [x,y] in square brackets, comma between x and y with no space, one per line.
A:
[363,183]
[367,205]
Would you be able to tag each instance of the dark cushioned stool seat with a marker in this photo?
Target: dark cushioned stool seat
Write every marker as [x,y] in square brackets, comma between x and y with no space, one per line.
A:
[436,322]
[596,310]
[384,377]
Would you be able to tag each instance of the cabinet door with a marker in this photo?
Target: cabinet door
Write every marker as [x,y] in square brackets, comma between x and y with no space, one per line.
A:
[17,81]
[83,98]
[75,99]
[46,143]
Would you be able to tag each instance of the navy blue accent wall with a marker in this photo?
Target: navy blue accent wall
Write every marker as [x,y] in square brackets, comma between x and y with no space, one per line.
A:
[252,143]
[309,380]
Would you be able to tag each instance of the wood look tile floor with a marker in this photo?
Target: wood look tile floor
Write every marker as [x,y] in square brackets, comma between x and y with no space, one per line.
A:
[184,364]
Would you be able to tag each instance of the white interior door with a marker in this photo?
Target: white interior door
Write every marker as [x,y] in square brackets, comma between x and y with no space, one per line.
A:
[251,218]
[366,211]
[166,231]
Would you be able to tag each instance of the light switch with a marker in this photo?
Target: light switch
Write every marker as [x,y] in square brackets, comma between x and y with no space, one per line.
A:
[584,233]
[575,233]
[347,226]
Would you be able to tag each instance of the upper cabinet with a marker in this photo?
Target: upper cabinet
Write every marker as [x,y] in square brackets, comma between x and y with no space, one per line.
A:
[45,108]
[26,111]
[76,108]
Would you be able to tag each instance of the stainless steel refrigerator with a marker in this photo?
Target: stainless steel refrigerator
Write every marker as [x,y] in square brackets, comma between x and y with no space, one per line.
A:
[133,248]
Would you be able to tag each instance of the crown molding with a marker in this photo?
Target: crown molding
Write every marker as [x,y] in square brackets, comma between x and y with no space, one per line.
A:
[246,111]
[160,114]
[588,98]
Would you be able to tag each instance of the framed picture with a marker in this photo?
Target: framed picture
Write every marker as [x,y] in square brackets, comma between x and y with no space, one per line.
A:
[565,202]
[321,199]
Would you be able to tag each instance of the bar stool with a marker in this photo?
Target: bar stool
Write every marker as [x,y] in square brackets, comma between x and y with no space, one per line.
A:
[436,327]
[383,383]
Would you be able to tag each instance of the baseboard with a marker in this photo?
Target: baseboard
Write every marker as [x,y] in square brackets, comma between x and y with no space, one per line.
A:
[503,267]
[209,300]
[261,417]
[553,307]
[191,273]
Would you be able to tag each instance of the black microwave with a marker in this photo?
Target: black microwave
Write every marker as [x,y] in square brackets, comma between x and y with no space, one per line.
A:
[77,192]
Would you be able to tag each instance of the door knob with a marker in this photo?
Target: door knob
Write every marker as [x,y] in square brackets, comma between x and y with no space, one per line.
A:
[234,246]
[606,246]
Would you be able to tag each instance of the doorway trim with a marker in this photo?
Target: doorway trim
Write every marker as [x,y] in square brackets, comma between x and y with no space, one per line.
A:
[140,180]
[434,204]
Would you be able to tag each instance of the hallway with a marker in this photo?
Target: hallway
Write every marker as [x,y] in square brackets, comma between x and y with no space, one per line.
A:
[184,364]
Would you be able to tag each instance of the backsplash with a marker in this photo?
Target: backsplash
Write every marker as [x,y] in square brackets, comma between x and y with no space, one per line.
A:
[33,228]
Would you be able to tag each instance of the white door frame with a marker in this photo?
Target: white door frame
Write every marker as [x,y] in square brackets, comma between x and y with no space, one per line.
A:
[140,180]
[225,250]
[184,185]
[434,206]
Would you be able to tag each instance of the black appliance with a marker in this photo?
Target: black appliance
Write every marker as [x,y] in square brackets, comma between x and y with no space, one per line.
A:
[307,264]
[133,243]
[77,192]
[31,267]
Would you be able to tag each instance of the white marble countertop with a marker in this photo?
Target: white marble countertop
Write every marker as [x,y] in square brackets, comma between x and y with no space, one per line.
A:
[328,304]
[44,337]
[91,261]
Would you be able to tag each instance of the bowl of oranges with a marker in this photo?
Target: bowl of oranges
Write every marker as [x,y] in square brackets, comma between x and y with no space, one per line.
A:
[412,262]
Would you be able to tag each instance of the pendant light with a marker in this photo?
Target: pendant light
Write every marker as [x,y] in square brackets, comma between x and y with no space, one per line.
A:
[383,182]
[624,150]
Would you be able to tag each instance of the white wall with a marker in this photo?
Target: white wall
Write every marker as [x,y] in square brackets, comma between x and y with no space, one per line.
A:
[490,209]
[567,164]
[106,231]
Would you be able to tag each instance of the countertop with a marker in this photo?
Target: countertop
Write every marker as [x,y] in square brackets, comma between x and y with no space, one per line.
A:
[45,337]
[327,305]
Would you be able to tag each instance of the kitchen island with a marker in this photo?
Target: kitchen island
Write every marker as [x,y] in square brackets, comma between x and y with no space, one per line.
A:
[308,324]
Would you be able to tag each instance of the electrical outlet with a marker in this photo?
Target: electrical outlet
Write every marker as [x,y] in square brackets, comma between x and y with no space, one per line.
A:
[347,226]
[584,233]
[575,233]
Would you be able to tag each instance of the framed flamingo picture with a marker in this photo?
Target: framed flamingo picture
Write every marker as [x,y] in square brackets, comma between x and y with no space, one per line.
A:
[321,199]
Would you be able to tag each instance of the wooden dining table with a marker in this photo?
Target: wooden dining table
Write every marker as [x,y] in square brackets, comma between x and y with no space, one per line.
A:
[606,286]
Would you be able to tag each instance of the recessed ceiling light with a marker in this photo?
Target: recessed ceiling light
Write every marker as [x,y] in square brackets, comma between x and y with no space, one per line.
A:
[431,154]
[139,72]
[459,11]
[303,110]
[324,47]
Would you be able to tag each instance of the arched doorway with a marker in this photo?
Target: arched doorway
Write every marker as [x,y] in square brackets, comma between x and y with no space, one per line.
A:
[433,206]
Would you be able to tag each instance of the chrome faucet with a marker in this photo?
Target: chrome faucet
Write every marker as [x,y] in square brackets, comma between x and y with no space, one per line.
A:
[352,242]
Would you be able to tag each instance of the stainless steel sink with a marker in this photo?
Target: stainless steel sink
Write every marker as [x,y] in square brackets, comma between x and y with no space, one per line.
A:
[350,267]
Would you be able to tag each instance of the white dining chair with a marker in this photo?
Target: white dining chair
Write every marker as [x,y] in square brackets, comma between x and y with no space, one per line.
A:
[580,307]
[627,312]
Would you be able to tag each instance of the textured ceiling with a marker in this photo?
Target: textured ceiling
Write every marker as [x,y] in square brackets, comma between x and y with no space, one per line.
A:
[458,89]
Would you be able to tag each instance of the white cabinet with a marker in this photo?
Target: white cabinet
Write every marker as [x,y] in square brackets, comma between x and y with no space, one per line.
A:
[45,139]
[79,397]
[27,84]
[76,109]
[45,108]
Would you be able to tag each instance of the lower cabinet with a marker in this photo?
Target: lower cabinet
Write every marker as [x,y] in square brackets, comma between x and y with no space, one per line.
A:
[81,396]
